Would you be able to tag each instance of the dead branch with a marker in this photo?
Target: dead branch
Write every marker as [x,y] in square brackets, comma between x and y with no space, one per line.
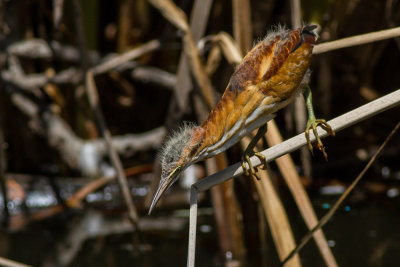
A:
[154,75]
[40,49]
[84,155]
[31,81]
[125,57]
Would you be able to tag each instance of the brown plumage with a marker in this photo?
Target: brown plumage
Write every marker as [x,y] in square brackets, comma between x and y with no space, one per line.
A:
[267,79]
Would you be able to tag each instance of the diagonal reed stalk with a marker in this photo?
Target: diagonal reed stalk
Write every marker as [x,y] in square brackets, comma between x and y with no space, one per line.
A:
[357,40]
[228,209]
[344,121]
[275,215]
[339,123]
[288,170]
[292,179]
[340,201]
[273,209]
[178,18]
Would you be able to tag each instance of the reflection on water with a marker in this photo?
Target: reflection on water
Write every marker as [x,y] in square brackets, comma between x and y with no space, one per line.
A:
[364,232]
[40,194]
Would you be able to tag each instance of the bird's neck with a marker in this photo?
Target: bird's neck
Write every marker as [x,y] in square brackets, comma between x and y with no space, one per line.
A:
[192,147]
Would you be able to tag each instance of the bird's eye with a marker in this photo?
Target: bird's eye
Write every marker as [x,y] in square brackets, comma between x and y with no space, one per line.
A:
[177,169]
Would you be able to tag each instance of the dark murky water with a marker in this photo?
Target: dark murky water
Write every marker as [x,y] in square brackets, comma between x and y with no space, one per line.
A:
[364,232]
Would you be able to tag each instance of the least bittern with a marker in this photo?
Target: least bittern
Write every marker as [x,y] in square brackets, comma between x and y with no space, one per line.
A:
[270,76]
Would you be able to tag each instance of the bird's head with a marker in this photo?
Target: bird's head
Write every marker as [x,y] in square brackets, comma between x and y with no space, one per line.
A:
[178,152]
[310,33]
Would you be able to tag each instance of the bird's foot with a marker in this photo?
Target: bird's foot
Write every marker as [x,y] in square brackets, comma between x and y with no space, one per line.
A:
[312,124]
[252,171]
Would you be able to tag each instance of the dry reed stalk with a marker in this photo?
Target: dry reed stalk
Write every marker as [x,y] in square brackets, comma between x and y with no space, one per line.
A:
[114,157]
[273,210]
[227,210]
[178,18]
[91,91]
[356,115]
[198,22]
[339,123]
[292,179]
[276,216]
[213,60]
[287,169]
[357,40]
[199,74]
[125,57]
[192,227]
[174,15]
[233,214]
[299,113]
[183,82]
[295,13]
[310,218]
[224,237]
[337,204]
[228,47]
[242,27]
[125,24]
[222,44]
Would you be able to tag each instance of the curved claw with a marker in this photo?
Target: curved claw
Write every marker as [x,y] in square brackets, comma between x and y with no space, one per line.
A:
[252,171]
[313,124]
[261,157]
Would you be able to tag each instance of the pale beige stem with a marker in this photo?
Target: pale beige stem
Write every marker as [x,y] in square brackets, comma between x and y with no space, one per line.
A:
[356,40]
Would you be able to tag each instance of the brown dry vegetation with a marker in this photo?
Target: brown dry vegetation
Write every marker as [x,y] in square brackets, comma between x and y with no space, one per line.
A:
[89,90]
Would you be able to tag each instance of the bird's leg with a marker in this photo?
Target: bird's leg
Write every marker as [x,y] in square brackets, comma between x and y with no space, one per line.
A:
[250,152]
[313,123]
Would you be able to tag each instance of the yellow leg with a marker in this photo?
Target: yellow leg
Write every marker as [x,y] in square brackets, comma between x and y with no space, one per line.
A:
[313,123]
[251,171]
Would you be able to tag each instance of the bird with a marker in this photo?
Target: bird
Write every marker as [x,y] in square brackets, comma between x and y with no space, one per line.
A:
[269,77]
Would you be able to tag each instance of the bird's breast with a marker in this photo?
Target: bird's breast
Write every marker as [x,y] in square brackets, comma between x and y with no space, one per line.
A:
[233,118]
[288,78]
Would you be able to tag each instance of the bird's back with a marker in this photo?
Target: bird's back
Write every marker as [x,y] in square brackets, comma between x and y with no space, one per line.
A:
[265,81]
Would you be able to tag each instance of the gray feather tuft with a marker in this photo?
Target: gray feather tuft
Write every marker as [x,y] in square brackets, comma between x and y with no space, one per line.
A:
[173,147]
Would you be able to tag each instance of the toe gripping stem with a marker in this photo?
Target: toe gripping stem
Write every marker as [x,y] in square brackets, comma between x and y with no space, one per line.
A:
[313,123]
[250,170]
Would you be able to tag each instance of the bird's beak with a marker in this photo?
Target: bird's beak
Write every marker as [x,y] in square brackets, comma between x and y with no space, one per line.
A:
[165,183]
